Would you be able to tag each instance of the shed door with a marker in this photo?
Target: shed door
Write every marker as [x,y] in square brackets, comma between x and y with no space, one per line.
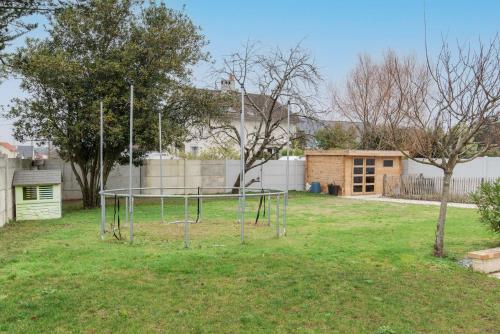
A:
[363,175]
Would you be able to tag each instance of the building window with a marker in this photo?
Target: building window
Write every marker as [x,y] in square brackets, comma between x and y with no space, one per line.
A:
[46,192]
[29,193]
[388,163]
[194,150]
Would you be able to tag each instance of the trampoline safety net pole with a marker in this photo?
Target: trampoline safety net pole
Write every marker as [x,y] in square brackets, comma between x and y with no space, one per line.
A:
[186,223]
[126,210]
[131,198]
[268,210]
[101,176]
[278,215]
[242,167]
[285,204]
[161,165]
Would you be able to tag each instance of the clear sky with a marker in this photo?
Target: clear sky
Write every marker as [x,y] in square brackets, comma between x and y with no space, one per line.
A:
[335,32]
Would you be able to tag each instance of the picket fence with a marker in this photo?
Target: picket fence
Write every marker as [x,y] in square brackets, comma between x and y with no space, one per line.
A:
[430,188]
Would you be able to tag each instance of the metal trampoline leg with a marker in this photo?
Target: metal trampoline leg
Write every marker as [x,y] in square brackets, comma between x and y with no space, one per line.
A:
[131,219]
[103,216]
[278,215]
[186,223]
[285,207]
[126,210]
[268,210]
[201,204]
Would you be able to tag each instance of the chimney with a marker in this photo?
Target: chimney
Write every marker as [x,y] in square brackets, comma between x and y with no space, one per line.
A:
[228,84]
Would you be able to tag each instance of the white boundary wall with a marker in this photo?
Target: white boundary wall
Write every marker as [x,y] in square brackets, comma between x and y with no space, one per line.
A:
[187,173]
[273,174]
[223,173]
[118,178]
[480,167]
[7,168]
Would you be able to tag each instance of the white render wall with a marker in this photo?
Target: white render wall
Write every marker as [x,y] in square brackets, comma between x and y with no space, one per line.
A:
[118,178]
[7,168]
[487,167]
[273,174]
[212,175]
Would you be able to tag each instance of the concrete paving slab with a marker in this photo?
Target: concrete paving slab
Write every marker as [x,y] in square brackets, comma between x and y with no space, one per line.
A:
[409,201]
[495,275]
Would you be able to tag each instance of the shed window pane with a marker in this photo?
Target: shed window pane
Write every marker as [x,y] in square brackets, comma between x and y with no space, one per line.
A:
[370,162]
[29,193]
[358,170]
[46,192]
[358,179]
[388,163]
[370,179]
[370,188]
[370,170]
[357,189]
[358,162]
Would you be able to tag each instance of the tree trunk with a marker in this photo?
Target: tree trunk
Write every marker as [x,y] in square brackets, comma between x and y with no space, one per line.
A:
[90,197]
[236,185]
[439,243]
[90,194]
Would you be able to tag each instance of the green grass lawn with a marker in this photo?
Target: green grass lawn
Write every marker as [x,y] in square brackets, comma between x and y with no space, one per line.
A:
[346,266]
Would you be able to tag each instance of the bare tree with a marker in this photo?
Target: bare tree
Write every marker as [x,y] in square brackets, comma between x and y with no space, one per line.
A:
[363,99]
[271,82]
[444,109]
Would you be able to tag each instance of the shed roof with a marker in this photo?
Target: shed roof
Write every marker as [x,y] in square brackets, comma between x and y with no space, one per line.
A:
[36,177]
[360,153]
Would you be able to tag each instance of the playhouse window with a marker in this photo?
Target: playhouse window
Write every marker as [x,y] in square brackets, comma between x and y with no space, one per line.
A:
[46,192]
[29,193]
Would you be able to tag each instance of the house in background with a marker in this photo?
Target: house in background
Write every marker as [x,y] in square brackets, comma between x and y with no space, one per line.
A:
[199,142]
[8,150]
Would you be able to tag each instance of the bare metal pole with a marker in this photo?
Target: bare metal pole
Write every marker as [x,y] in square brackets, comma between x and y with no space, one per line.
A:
[186,223]
[161,165]
[242,158]
[130,194]
[200,192]
[278,215]
[268,210]
[101,172]
[126,210]
[285,204]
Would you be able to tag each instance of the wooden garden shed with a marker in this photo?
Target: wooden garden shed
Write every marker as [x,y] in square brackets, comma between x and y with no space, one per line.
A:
[357,172]
[37,194]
